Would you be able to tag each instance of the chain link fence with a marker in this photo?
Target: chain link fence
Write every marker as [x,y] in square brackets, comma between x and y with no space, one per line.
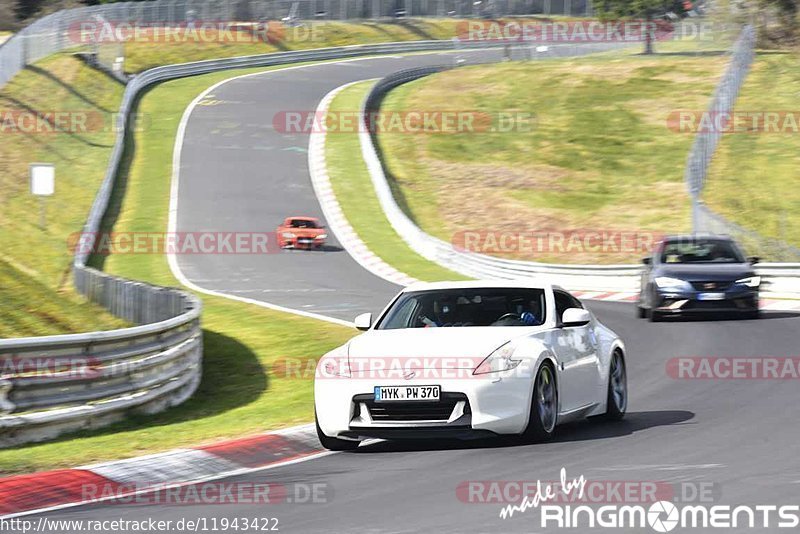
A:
[705,144]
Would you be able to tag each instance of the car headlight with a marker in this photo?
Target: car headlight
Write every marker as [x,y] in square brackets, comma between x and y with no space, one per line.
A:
[322,236]
[287,235]
[335,364]
[499,360]
[750,281]
[675,284]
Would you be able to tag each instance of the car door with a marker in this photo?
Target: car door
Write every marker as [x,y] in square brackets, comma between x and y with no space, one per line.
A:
[576,347]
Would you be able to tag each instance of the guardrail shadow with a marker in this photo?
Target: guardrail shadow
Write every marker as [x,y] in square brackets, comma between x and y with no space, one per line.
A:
[232,377]
[586,430]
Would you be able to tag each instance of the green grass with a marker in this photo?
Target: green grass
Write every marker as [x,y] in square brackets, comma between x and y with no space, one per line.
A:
[143,54]
[753,179]
[30,307]
[238,395]
[600,155]
[36,260]
[356,195]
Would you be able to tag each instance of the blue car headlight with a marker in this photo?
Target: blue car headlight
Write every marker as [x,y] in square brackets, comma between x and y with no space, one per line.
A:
[672,284]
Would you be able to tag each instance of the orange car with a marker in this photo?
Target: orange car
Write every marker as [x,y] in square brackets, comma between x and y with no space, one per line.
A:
[301,232]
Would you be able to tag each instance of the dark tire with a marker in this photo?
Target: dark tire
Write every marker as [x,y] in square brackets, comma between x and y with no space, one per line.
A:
[617,399]
[544,406]
[335,444]
[641,313]
[752,314]
[653,316]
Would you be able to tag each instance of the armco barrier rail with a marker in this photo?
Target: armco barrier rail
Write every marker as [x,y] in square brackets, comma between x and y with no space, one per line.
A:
[619,278]
[55,32]
[56,384]
[781,280]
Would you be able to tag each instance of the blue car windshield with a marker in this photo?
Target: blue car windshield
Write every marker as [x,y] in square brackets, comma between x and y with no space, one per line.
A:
[701,251]
[466,307]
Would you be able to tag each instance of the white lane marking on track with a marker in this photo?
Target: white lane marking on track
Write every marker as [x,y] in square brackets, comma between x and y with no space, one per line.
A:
[657,467]
[175,183]
[331,209]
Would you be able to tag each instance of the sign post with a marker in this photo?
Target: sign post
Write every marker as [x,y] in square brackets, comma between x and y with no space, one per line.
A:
[43,184]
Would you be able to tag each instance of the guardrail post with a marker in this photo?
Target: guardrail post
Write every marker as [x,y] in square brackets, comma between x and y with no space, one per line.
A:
[6,406]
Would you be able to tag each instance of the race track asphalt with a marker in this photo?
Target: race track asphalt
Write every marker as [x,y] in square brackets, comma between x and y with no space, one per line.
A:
[239,174]
[740,437]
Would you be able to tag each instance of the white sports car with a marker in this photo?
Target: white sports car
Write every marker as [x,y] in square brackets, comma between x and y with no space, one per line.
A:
[460,359]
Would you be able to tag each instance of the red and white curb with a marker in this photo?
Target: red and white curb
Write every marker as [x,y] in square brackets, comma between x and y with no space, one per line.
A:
[27,494]
[334,215]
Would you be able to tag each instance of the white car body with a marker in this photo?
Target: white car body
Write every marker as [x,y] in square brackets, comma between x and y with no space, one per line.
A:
[500,402]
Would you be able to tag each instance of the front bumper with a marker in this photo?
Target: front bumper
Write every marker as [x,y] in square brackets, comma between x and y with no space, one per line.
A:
[733,299]
[303,243]
[468,407]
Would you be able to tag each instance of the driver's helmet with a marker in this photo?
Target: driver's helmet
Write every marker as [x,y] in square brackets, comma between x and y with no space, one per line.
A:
[528,318]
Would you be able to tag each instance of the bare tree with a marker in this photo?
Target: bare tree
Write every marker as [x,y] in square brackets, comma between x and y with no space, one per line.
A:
[8,16]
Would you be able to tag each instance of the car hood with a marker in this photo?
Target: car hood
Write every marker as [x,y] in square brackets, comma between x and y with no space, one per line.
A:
[305,232]
[456,347]
[707,271]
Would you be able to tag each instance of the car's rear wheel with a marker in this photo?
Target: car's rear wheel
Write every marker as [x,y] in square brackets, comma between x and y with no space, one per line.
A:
[641,313]
[617,400]
[335,444]
[544,405]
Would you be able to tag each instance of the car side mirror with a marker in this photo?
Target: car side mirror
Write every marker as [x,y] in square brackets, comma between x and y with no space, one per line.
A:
[575,317]
[753,260]
[647,261]
[363,321]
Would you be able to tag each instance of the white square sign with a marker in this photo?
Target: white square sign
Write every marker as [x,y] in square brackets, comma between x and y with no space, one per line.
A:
[43,179]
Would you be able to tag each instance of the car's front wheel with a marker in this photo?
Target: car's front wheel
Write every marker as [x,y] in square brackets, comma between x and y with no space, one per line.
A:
[335,444]
[544,405]
[617,400]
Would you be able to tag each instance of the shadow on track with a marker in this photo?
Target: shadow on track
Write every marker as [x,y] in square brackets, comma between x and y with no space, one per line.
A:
[590,429]
[701,318]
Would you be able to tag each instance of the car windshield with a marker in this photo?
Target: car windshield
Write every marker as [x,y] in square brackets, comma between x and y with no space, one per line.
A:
[466,307]
[701,251]
[301,223]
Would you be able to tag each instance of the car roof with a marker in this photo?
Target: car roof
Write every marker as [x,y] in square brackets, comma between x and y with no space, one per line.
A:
[530,283]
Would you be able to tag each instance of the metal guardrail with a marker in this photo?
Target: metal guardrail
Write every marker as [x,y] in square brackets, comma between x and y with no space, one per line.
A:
[781,280]
[56,384]
[595,277]
[56,32]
